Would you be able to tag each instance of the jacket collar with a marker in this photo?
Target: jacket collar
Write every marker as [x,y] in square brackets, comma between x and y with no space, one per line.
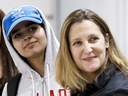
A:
[105,76]
[102,80]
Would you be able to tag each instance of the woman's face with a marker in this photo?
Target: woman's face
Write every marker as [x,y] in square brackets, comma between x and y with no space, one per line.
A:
[29,39]
[87,46]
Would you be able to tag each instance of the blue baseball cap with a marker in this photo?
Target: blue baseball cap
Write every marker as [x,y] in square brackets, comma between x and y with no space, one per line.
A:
[19,14]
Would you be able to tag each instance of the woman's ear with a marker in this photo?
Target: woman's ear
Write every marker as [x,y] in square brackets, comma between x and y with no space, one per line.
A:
[107,40]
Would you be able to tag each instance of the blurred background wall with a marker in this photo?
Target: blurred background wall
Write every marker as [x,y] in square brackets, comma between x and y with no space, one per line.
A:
[114,12]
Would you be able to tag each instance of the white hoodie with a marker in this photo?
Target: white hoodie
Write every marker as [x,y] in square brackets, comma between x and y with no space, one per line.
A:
[31,84]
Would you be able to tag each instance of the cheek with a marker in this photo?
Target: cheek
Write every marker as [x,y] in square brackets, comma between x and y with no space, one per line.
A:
[44,43]
[17,46]
[75,53]
[102,52]
[40,32]
[42,39]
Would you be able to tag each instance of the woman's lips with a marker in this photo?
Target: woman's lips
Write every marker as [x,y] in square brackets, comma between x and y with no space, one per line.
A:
[30,44]
[90,58]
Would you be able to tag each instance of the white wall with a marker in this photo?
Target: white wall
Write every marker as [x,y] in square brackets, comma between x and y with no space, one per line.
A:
[48,7]
[114,12]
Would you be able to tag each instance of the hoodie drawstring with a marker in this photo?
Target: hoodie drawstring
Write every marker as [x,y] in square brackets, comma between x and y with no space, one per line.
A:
[48,82]
[32,84]
[47,66]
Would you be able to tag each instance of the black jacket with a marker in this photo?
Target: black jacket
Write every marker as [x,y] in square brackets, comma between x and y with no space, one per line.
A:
[111,82]
[1,89]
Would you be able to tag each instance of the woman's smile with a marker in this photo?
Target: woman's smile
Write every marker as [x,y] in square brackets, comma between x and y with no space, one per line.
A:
[30,44]
[89,59]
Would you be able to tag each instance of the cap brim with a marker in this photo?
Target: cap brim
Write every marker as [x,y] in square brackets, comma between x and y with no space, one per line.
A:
[23,19]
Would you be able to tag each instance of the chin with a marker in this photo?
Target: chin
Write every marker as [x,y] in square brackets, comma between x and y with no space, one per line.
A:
[95,69]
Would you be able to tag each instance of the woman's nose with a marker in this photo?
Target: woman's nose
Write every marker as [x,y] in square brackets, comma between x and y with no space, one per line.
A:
[27,37]
[87,48]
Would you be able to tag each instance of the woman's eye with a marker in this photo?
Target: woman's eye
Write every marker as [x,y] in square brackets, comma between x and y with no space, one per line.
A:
[76,43]
[94,38]
[17,35]
[32,28]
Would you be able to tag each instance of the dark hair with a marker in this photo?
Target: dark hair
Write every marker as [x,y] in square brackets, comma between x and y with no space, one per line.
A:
[8,66]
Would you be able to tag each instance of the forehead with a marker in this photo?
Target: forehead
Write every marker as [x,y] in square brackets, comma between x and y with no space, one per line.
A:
[85,25]
[84,29]
[22,25]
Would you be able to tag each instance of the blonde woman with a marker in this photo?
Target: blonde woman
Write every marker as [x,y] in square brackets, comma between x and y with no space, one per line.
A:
[89,62]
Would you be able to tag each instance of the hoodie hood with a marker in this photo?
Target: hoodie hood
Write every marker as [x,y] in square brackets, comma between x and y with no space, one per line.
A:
[50,54]
[31,82]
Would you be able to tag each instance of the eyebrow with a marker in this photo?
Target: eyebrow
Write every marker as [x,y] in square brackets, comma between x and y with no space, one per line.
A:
[29,24]
[76,39]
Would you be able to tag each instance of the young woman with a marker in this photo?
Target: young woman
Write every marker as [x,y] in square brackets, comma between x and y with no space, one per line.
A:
[89,62]
[33,47]
[7,67]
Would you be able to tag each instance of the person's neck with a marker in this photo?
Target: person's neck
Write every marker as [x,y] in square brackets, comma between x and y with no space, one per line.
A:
[38,64]
[91,76]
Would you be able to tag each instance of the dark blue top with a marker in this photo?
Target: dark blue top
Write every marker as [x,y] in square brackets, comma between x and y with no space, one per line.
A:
[111,82]
[1,91]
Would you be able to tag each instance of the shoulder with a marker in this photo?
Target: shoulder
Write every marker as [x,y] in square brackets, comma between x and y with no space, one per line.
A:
[117,82]
[116,86]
